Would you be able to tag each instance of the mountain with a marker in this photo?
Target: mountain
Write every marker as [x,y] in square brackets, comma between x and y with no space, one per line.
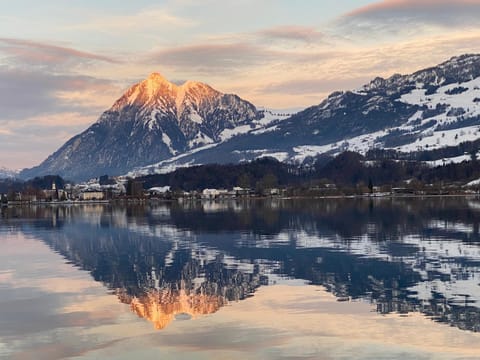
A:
[154,120]
[158,126]
[430,109]
[7,173]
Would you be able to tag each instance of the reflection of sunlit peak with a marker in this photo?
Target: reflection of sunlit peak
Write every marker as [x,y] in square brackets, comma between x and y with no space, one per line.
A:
[161,307]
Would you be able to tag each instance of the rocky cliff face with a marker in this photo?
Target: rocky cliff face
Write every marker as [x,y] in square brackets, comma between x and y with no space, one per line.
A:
[154,120]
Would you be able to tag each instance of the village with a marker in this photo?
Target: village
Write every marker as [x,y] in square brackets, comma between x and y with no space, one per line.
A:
[121,189]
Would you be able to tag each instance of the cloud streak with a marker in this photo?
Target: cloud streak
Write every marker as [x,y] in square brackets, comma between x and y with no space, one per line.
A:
[292,33]
[32,52]
[206,58]
[148,18]
[411,16]
[415,5]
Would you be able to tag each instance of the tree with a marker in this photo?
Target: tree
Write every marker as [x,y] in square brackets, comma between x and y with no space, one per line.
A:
[270,181]
[370,186]
[243,181]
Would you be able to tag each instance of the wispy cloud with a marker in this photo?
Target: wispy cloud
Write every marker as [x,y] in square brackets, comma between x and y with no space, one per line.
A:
[415,5]
[19,51]
[292,33]
[208,58]
[147,18]
[394,17]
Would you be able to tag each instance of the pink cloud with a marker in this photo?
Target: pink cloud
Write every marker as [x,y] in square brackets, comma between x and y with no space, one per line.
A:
[41,53]
[212,58]
[292,32]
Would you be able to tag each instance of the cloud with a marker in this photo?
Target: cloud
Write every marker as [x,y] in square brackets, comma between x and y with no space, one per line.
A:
[148,18]
[410,17]
[25,94]
[18,51]
[417,5]
[45,98]
[31,140]
[208,58]
[292,33]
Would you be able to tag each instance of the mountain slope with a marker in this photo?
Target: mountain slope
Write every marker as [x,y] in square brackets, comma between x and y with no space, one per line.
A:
[152,121]
[430,109]
[7,173]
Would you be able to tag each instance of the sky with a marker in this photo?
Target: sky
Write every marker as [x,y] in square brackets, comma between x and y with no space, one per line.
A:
[62,63]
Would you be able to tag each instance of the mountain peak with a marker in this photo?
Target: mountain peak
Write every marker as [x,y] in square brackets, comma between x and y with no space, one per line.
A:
[155,82]
[155,76]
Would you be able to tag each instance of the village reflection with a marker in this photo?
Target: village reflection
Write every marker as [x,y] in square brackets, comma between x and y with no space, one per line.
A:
[181,261]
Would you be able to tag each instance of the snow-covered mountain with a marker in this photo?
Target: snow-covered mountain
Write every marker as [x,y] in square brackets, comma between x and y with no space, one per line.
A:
[154,120]
[158,126]
[430,109]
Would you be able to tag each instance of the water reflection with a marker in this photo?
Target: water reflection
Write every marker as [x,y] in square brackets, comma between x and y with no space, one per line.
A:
[183,261]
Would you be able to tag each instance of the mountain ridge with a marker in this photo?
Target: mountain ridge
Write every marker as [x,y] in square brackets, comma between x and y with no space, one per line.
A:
[194,124]
[429,109]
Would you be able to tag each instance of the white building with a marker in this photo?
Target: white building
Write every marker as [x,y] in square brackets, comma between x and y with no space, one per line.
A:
[91,195]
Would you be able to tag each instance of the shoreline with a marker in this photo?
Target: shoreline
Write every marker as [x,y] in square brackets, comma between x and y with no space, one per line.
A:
[207,200]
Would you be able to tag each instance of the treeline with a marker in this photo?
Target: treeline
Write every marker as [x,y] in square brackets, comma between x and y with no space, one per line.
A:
[347,169]
[258,174]
[350,168]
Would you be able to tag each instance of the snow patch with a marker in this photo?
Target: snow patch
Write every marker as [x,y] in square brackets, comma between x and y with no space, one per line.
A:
[166,139]
[196,118]
[229,133]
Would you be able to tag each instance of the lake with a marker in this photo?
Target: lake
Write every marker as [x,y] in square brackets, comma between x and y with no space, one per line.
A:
[265,279]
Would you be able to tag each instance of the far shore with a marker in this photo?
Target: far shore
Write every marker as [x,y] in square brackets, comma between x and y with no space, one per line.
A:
[229,199]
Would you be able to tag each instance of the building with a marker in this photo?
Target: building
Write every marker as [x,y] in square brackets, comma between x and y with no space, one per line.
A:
[91,195]
[214,193]
[158,191]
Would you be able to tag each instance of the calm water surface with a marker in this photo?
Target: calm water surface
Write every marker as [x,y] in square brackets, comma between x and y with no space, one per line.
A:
[330,279]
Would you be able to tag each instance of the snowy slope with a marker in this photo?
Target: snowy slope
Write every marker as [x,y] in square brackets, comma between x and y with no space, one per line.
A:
[267,121]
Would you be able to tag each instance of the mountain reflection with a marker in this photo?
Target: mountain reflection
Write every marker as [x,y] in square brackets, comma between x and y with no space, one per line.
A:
[182,261]
[162,306]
